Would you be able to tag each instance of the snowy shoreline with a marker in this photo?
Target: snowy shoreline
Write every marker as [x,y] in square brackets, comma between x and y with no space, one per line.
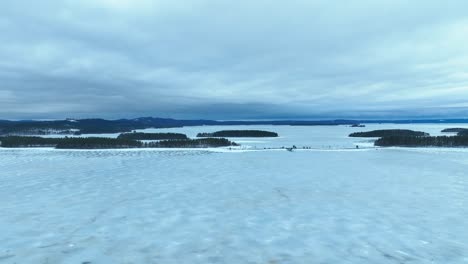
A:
[245,149]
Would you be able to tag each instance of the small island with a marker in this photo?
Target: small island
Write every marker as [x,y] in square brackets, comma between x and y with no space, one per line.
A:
[412,141]
[358,125]
[453,130]
[458,130]
[239,133]
[152,136]
[389,133]
[108,143]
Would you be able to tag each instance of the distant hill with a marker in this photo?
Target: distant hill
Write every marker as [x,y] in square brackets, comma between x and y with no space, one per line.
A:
[101,126]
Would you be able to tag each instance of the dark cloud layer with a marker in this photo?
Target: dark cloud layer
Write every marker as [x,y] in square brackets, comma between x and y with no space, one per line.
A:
[233,59]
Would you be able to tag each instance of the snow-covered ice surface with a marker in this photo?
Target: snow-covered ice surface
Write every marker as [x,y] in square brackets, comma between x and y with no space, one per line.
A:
[333,204]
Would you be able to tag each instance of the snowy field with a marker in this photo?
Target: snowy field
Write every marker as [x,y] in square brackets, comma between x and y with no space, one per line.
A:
[330,204]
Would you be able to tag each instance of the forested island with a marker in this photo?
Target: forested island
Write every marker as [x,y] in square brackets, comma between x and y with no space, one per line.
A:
[459,131]
[152,136]
[412,141]
[239,133]
[97,143]
[108,143]
[68,142]
[390,133]
[192,143]
[410,138]
[454,130]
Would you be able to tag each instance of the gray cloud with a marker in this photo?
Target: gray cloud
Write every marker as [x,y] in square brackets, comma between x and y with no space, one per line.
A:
[233,59]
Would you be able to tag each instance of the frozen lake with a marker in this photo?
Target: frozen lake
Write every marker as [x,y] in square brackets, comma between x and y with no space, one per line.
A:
[332,204]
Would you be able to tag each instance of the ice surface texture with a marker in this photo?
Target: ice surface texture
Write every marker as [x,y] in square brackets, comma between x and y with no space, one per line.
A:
[360,206]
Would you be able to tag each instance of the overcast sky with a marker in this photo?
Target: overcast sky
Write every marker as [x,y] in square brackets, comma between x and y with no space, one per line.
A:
[233,59]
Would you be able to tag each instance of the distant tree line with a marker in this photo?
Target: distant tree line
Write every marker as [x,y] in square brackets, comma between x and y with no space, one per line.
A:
[390,133]
[239,133]
[68,142]
[108,143]
[28,142]
[97,143]
[152,136]
[414,141]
